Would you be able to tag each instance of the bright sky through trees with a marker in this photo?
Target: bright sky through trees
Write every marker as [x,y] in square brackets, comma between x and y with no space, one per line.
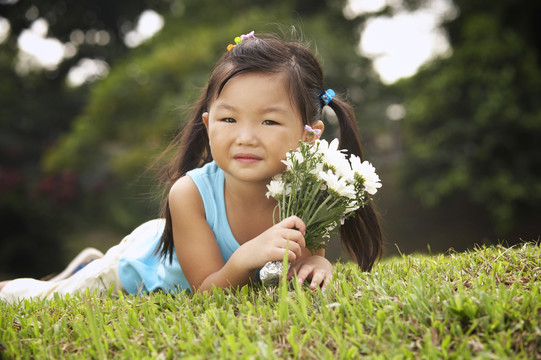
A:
[39,51]
[398,44]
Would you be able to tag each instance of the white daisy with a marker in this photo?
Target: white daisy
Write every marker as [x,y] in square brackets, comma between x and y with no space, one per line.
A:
[293,159]
[276,188]
[367,172]
[351,207]
[338,184]
[334,159]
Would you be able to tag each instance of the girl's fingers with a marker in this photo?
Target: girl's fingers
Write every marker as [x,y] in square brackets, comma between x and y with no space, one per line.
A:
[303,273]
[326,282]
[318,278]
[291,256]
[295,236]
[292,270]
[294,222]
[293,247]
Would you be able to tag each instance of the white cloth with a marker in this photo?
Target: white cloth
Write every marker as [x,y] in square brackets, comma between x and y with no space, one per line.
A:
[99,275]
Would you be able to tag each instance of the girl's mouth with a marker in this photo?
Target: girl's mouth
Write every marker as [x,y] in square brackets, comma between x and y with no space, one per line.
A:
[247,158]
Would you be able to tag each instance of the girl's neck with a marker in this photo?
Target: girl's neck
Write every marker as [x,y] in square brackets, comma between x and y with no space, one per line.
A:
[248,194]
[247,201]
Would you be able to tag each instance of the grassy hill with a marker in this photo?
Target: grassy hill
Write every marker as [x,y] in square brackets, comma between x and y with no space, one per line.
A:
[485,303]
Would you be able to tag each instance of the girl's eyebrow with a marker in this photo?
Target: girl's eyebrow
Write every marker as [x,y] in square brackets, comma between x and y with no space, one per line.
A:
[222,105]
[273,108]
[266,110]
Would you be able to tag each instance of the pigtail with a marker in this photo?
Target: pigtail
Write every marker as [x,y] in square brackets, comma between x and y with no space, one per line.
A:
[361,233]
[193,152]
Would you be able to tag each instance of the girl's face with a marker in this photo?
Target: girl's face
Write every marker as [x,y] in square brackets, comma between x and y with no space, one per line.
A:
[252,125]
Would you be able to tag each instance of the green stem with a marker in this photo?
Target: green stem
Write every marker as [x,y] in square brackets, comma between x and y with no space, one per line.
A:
[314,216]
[313,196]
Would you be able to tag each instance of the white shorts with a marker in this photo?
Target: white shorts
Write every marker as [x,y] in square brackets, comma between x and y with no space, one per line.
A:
[99,275]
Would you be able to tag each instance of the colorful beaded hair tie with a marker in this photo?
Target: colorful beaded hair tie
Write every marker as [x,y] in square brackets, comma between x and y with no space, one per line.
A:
[327,96]
[239,39]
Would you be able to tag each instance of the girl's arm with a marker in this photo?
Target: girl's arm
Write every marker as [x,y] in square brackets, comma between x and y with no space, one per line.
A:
[199,254]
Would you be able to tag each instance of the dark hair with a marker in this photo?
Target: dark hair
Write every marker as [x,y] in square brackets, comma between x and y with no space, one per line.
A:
[361,234]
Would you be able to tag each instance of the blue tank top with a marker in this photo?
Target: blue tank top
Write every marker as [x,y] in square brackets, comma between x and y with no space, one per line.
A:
[140,270]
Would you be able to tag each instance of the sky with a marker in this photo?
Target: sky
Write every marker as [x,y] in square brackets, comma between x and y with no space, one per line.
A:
[39,51]
[398,45]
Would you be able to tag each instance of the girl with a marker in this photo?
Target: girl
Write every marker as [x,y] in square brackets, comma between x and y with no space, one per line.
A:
[218,224]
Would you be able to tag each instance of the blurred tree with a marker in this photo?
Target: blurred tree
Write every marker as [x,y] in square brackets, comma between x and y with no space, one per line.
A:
[36,106]
[474,119]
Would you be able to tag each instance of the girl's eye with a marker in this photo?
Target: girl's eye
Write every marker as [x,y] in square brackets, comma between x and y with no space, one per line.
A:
[270,122]
[229,120]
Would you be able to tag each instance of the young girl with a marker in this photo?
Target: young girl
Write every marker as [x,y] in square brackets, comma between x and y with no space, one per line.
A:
[218,224]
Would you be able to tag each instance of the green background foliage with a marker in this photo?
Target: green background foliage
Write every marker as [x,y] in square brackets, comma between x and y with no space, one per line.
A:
[479,116]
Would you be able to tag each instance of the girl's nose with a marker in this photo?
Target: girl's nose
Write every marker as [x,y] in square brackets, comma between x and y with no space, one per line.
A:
[247,135]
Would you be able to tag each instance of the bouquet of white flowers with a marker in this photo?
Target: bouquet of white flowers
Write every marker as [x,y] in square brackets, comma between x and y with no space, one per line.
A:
[323,187]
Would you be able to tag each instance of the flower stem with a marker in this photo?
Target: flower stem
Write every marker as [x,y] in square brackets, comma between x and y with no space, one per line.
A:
[321,206]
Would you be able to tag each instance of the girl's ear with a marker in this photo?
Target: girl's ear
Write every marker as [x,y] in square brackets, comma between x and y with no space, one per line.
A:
[312,136]
[205,118]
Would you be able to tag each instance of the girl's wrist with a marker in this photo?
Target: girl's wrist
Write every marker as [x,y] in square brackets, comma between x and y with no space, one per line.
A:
[241,264]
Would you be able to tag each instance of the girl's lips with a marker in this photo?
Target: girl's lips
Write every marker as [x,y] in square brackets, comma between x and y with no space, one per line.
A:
[247,158]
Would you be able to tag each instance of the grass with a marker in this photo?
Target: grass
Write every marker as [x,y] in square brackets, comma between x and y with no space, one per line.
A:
[485,303]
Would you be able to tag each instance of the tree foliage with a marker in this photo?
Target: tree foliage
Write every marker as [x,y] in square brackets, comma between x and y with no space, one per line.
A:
[35,108]
[474,118]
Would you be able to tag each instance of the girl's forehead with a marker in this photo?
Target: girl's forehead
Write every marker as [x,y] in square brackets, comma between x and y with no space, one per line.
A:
[256,89]
[274,80]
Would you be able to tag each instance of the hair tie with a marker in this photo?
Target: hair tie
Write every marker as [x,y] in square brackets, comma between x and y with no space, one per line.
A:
[240,39]
[327,96]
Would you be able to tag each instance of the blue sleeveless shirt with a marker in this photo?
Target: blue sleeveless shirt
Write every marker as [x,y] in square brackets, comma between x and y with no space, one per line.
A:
[141,270]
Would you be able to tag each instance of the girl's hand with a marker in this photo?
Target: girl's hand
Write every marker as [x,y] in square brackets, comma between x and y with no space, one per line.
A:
[315,268]
[271,245]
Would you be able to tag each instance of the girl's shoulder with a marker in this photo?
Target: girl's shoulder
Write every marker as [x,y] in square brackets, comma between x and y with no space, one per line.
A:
[184,193]
[210,168]
[198,186]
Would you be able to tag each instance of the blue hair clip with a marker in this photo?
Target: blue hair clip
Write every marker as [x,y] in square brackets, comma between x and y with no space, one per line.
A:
[327,96]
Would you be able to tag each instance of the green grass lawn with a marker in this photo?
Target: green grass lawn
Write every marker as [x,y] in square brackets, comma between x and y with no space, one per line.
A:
[484,303]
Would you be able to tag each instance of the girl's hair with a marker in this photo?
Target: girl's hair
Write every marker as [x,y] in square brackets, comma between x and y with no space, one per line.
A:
[361,234]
